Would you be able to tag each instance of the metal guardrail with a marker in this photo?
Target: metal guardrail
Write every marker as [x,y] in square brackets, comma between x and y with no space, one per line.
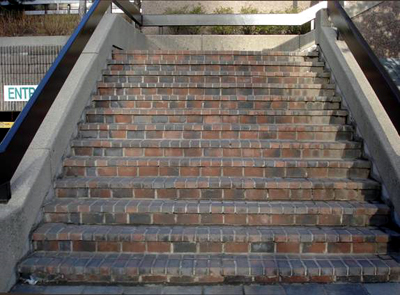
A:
[287,19]
[18,139]
[380,80]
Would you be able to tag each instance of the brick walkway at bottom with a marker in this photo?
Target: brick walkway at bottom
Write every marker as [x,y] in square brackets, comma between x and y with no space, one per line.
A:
[283,289]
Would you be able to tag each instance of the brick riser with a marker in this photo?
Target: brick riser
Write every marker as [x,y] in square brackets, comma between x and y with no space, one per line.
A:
[211,239]
[189,269]
[271,67]
[323,118]
[215,167]
[227,105]
[277,194]
[198,89]
[137,169]
[123,77]
[122,134]
[155,247]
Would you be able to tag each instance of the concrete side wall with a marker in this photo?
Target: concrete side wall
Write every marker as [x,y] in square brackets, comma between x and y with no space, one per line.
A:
[32,184]
[232,42]
[381,139]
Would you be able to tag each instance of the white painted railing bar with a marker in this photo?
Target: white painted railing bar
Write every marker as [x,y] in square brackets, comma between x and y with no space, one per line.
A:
[298,19]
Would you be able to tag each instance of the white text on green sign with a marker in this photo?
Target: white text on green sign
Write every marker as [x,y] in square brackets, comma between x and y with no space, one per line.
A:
[18,92]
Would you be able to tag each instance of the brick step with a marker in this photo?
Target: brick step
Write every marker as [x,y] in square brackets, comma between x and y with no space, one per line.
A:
[243,64]
[216,148]
[146,77]
[212,239]
[230,167]
[219,52]
[237,66]
[53,267]
[219,188]
[232,98]
[155,58]
[212,116]
[214,89]
[216,131]
[216,104]
[205,56]
[222,76]
[182,212]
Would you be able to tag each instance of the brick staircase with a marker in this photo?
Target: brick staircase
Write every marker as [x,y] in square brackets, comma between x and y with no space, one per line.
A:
[212,167]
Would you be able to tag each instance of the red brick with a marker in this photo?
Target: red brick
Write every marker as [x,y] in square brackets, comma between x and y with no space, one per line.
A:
[233,247]
[188,219]
[238,219]
[313,247]
[127,171]
[161,247]
[108,246]
[212,219]
[288,247]
[137,247]
[107,171]
[338,248]
[364,247]
[148,171]
[190,171]
[211,247]
[160,218]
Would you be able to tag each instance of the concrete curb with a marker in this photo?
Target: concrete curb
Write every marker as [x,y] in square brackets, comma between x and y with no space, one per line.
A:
[32,183]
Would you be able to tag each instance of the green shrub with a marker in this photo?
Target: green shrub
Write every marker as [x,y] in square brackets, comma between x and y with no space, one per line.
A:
[246,30]
[19,24]
[194,30]
[274,30]
[224,30]
[250,30]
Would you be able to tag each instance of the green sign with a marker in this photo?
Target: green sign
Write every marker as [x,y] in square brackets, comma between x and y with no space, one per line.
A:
[18,92]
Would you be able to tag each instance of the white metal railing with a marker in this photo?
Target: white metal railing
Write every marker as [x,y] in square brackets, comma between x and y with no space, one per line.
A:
[289,19]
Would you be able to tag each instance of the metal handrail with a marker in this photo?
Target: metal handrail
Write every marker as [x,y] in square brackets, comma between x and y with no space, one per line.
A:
[15,144]
[182,20]
[380,80]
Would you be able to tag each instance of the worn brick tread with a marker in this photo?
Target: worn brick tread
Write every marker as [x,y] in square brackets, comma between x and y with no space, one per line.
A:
[205,112]
[217,127]
[213,52]
[215,104]
[212,239]
[225,166]
[233,80]
[271,98]
[213,162]
[219,188]
[211,206]
[210,62]
[214,143]
[203,268]
[216,73]
[185,212]
[217,183]
[214,85]
[62,232]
